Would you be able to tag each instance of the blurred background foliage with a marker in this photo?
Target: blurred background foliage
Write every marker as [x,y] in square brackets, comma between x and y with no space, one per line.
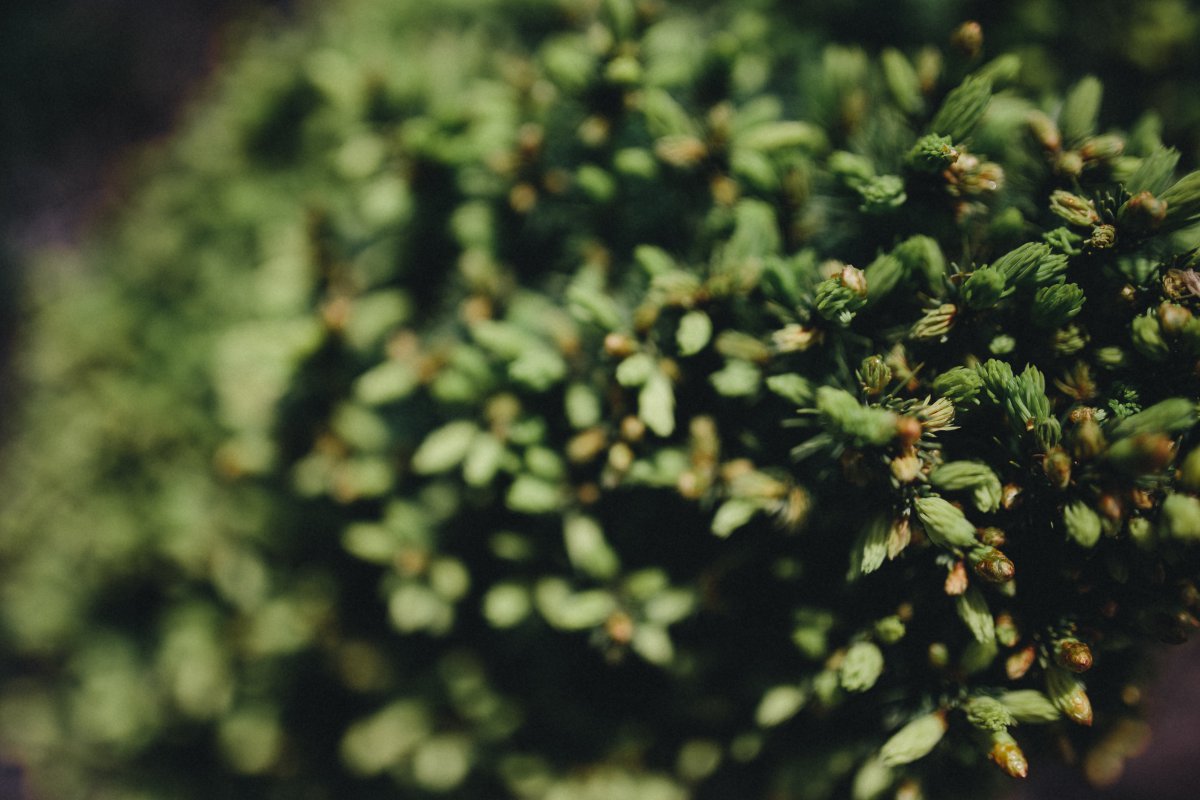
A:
[85,81]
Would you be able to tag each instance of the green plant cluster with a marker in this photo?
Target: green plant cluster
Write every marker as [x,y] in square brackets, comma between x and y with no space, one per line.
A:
[557,400]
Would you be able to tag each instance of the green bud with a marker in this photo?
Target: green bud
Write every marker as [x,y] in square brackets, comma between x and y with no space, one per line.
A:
[1173,416]
[1069,163]
[1045,131]
[1183,201]
[936,322]
[1002,344]
[1080,111]
[1141,532]
[1028,408]
[1074,209]
[874,375]
[960,385]
[1019,265]
[890,630]
[995,377]
[983,288]
[1082,523]
[1189,471]
[944,523]
[861,667]
[921,255]
[871,547]
[1030,706]
[1181,517]
[1110,357]
[1054,306]
[852,168]
[784,135]
[736,344]
[1069,340]
[1153,173]
[1148,337]
[970,475]
[932,153]
[1065,241]
[973,610]
[1007,633]
[791,387]
[839,297]
[779,704]
[871,781]
[902,81]
[882,275]
[914,741]
[962,108]
[844,415]
[988,713]
[1050,269]
[1142,212]
[881,194]
[1103,149]
[1003,69]
[1068,695]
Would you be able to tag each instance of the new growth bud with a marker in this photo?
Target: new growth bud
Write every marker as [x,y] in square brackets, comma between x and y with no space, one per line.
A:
[915,740]
[944,523]
[992,565]
[1007,754]
[983,288]
[874,375]
[1068,695]
[1073,209]
[1073,655]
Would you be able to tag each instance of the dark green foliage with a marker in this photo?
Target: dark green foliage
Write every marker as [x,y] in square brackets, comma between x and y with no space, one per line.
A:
[555,400]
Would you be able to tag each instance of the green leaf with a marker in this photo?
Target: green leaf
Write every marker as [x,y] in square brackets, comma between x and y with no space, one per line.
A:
[386,383]
[792,387]
[870,549]
[962,108]
[538,369]
[506,605]
[483,460]
[1082,523]
[973,610]
[656,404]
[861,667]
[445,448]
[531,495]
[779,704]
[587,548]
[635,370]
[1080,110]
[695,329]
[572,611]
[736,379]
[582,406]
[653,643]
[732,515]
[914,741]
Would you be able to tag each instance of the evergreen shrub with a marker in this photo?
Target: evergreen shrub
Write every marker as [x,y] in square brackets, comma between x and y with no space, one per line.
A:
[553,399]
